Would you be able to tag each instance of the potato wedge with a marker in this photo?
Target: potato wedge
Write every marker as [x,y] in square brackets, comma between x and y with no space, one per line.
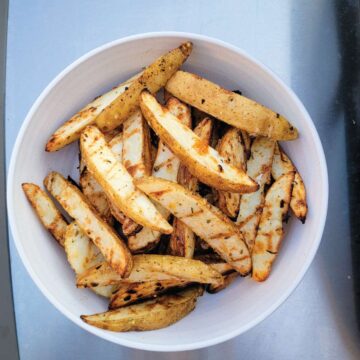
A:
[103,236]
[153,78]
[166,166]
[95,194]
[182,240]
[130,293]
[149,315]
[203,219]
[136,151]
[259,168]
[136,156]
[203,162]
[151,267]
[46,211]
[232,149]
[117,183]
[82,254]
[92,189]
[228,279]
[281,165]
[270,233]
[71,130]
[232,108]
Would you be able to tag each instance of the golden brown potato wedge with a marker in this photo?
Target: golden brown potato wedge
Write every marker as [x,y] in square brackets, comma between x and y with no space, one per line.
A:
[228,279]
[232,108]
[182,240]
[149,315]
[205,220]
[95,195]
[92,189]
[281,165]
[71,130]
[117,183]
[259,168]
[136,151]
[103,236]
[153,78]
[129,293]
[82,254]
[203,162]
[232,149]
[166,166]
[47,212]
[270,232]
[151,267]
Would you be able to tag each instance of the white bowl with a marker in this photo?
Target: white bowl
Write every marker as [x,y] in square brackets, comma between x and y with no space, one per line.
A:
[217,317]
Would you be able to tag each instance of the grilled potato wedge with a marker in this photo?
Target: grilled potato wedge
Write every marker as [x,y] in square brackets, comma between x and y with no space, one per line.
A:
[117,183]
[166,166]
[259,168]
[232,149]
[136,151]
[103,236]
[92,189]
[95,195]
[151,267]
[281,165]
[232,108]
[203,162]
[130,293]
[47,212]
[270,233]
[149,315]
[182,240]
[82,254]
[71,130]
[202,218]
[153,78]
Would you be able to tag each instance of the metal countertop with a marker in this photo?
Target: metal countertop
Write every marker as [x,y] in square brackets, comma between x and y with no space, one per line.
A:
[300,42]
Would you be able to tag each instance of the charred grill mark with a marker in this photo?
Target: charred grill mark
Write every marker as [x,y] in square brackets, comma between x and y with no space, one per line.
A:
[193,213]
[225,236]
[164,163]
[158,194]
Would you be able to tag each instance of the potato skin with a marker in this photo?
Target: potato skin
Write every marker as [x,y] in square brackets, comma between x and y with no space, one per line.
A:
[149,315]
[232,108]
[129,293]
[153,78]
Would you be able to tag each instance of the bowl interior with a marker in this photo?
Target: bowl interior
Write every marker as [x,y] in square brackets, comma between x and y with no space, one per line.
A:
[216,317]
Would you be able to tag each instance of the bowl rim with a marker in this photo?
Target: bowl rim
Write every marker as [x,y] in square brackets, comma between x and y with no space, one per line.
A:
[107,335]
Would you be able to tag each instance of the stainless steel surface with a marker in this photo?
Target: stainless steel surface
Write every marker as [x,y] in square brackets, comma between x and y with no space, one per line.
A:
[8,338]
[299,41]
